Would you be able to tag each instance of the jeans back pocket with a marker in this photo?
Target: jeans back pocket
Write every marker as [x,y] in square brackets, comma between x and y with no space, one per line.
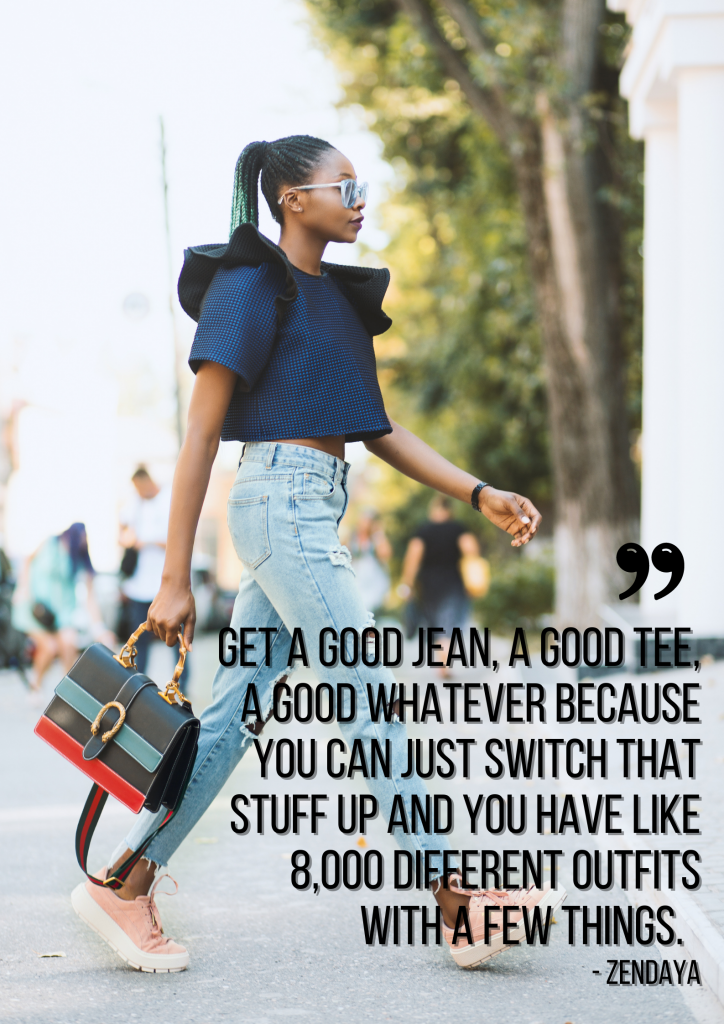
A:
[249,528]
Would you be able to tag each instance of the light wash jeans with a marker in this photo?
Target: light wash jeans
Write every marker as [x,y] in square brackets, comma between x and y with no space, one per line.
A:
[284,511]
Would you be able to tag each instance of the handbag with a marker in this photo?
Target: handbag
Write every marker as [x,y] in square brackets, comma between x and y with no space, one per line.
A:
[136,742]
[45,616]
[129,562]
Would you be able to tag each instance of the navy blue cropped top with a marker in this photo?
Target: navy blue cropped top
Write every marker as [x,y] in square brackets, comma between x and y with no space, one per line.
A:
[300,344]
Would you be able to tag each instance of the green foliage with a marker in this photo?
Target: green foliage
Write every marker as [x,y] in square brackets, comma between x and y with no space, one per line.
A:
[521,591]
[462,364]
[520,38]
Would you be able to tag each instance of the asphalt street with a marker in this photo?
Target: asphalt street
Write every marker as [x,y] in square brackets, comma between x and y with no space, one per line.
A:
[261,950]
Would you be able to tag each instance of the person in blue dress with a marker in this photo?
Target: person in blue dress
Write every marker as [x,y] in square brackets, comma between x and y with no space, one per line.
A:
[284,362]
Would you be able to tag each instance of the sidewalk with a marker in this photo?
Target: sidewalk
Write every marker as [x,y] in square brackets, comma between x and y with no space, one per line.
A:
[261,950]
[702,911]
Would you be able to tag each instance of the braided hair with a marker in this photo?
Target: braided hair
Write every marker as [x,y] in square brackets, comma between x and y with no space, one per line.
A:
[289,161]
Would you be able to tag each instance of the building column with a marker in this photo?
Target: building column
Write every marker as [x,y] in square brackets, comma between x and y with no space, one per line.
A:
[697,476]
[660,391]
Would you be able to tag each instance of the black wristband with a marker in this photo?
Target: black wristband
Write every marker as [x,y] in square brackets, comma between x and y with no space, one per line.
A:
[474,496]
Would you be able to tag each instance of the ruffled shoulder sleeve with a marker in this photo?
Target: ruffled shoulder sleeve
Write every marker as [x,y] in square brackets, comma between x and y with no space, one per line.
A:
[365,288]
[238,322]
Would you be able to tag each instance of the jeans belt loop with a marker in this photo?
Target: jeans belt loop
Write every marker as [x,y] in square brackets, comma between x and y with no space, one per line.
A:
[270,454]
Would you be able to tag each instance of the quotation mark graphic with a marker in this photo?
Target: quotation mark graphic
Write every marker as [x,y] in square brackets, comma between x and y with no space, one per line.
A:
[666,558]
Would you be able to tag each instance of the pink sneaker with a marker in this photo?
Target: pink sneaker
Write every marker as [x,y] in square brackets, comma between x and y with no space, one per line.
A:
[530,897]
[131,927]
[469,956]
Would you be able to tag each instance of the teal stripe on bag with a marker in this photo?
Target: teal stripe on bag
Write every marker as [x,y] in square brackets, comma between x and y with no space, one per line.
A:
[126,738]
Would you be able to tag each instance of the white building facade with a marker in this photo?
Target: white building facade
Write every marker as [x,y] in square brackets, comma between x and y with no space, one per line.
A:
[673,78]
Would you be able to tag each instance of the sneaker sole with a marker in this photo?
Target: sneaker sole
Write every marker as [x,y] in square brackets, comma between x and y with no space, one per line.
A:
[96,918]
[471,956]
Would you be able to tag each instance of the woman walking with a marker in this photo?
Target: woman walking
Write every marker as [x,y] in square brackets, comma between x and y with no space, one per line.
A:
[284,362]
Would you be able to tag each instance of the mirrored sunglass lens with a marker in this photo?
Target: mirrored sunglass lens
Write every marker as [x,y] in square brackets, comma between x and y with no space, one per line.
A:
[351,192]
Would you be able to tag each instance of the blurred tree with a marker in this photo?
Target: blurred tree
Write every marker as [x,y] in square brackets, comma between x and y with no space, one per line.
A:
[505,122]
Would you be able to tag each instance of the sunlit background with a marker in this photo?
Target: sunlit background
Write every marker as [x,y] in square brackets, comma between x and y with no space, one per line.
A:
[121,125]
[91,328]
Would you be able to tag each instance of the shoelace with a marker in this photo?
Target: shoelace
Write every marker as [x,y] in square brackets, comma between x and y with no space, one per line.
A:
[156,926]
[501,897]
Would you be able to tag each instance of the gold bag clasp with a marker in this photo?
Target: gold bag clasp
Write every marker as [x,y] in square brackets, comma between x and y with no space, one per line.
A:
[95,727]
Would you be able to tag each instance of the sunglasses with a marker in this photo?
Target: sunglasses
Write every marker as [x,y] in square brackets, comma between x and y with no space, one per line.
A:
[351,191]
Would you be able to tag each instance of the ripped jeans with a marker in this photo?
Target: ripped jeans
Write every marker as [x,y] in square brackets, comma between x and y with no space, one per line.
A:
[284,511]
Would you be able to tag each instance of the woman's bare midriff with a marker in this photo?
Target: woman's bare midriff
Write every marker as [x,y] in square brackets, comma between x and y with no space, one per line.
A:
[331,445]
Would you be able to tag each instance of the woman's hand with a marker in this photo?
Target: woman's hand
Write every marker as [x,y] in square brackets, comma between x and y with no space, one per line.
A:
[127,537]
[511,512]
[173,606]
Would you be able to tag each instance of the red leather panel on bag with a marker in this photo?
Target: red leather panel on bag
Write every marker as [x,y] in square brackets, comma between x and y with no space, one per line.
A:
[96,770]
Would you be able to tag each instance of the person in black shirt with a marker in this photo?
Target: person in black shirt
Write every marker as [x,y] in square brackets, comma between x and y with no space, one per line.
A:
[432,568]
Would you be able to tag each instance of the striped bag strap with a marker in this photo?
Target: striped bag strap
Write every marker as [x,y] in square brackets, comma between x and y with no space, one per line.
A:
[89,818]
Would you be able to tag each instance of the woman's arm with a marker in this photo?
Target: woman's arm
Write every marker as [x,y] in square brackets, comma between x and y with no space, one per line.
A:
[174,604]
[127,536]
[410,455]
[382,547]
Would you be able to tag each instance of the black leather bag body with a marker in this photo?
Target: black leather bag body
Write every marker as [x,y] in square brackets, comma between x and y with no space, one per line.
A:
[129,562]
[134,741]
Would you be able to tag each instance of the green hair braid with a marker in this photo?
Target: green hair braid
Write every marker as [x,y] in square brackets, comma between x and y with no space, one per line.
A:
[285,162]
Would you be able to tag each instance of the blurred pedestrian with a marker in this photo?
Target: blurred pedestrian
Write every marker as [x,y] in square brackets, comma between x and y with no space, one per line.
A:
[431,574]
[46,605]
[16,648]
[371,554]
[144,528]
